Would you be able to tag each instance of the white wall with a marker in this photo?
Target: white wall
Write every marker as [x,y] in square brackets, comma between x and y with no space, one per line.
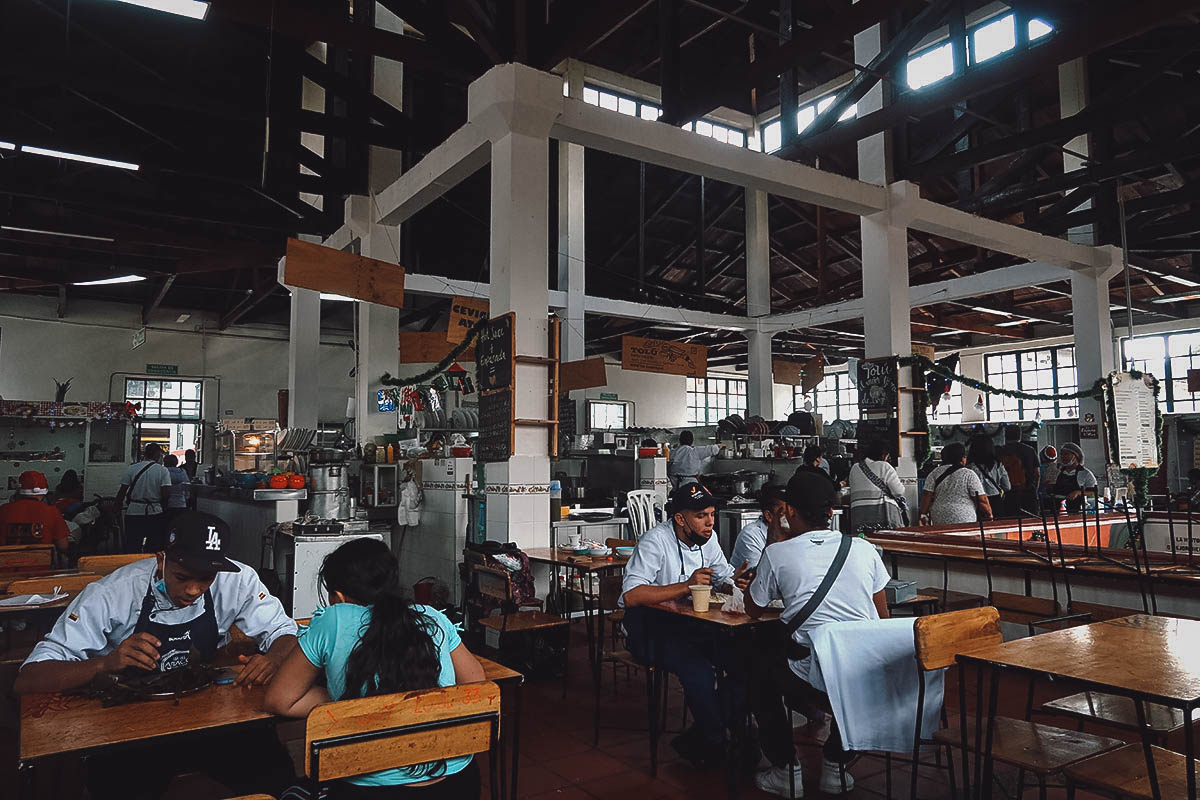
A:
[660,400]
[93,341]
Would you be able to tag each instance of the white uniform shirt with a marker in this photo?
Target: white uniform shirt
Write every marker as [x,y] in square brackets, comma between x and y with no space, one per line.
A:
[792,570]
[687,461]
[749,545]
[104,614]
[660,559]
[145,497]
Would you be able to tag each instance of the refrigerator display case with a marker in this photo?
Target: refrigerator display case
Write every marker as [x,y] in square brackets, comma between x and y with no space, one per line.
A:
[379,485]
[245,451]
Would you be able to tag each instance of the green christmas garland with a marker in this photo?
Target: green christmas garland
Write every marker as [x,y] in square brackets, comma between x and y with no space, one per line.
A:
[441,366]
[1096,391]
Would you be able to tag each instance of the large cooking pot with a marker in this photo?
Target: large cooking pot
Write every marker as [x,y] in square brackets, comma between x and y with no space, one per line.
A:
[328,455]
[329,490]
[758,480]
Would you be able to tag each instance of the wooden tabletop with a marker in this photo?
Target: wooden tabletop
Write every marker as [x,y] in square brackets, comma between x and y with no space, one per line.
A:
[493,671]
[714,615]
[1157,657]
[57,605]
[562,557]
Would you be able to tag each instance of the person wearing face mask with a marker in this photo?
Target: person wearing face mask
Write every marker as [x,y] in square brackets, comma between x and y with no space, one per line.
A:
[673,555]
[769,528]
[1073,481]
[154,616]
[821,576]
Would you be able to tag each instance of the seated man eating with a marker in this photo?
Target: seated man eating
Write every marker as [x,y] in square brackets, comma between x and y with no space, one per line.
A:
[821,576]
[771,527]
[673,555]
[156,615]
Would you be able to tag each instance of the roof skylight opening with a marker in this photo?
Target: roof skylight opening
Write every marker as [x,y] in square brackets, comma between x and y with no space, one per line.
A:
[193,9]
[994,38]
[1038,29]
[931,66]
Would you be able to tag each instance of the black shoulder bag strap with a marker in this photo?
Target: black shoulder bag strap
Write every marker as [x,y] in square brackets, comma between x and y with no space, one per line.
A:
[881,486]
[818,597]
[945,475]
[129,497]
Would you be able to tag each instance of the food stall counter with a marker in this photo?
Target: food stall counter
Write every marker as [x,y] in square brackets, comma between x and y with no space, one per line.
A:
[249,513]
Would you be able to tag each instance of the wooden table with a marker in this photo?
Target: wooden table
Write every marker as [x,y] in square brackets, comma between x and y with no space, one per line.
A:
[510,718]
[1142,657]
[736,630]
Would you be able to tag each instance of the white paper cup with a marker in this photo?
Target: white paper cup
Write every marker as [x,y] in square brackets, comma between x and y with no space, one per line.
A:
[701,597]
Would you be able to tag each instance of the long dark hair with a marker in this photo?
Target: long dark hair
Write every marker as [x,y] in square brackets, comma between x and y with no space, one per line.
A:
[396,652]
[982,452]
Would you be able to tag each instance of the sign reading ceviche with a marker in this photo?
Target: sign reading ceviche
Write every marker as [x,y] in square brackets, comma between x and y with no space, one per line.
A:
[656,355]
[464,313]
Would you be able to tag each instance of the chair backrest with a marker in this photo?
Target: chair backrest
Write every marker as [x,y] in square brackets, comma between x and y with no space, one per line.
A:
[611,543]
[369,734]
[102,565]
[640,504]
[493,582]
[17,557]
[940,637]
[68,583]
[610,591]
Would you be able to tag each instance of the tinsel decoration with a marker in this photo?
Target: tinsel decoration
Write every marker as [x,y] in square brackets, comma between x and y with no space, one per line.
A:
[440,367]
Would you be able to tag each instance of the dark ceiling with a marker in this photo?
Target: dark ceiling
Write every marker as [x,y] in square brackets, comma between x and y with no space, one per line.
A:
[219,190]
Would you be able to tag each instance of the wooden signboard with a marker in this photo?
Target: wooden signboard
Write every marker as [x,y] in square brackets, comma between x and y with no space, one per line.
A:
[585,374]
[923,350]
[787,372]
[426,347]
[496,428]
[877,386]
[494,354]
[670,358]
[323,269]
[464,313]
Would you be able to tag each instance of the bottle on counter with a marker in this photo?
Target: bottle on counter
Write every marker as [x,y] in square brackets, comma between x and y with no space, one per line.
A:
[555,501]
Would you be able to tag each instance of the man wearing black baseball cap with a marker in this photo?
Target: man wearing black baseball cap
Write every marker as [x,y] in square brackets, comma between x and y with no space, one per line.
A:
[156,615]
[677,553]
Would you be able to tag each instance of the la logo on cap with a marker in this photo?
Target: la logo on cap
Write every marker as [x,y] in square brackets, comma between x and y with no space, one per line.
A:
[214,541]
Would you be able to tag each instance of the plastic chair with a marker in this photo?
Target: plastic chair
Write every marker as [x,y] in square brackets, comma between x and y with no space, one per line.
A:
[640,504]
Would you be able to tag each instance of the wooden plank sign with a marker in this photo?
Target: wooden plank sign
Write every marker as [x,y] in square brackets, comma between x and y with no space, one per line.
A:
[323,269]
[496,429]
[464,312]
[494,353]
[805,374]
[671,358]
[584,374]
[426,347]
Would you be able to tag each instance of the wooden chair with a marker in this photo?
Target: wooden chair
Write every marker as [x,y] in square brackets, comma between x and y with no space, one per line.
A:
[103,565]
[26,557]
[496,583]
[1031,747]
[355,737]
[72,584]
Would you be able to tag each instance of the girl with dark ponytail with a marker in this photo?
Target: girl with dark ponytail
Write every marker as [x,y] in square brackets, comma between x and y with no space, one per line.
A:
[369,641]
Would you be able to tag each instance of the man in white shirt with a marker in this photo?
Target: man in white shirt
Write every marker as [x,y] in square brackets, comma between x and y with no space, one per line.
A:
[687,460]
[792,570]
[154,616]
[673,555]
[147,487]
[769,528]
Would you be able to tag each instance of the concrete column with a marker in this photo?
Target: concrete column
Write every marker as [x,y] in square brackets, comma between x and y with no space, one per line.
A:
[760,396]
[387,83]
[571,230]
[304,353]
[516,106]
[1091,319]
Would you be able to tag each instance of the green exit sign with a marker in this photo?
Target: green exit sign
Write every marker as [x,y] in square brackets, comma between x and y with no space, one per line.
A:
[162,369]
[608,395]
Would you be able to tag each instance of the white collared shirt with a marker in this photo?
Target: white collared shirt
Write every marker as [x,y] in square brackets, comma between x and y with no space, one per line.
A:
[687,461]
[749,545]
[660,559]
[105,613]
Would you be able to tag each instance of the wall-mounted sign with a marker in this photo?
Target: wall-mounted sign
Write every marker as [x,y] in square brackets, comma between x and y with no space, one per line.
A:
[1133,408]
[162,369]
[608,396]
[139,339]
[877,386]
[464,312]
[671,358]
[494,353]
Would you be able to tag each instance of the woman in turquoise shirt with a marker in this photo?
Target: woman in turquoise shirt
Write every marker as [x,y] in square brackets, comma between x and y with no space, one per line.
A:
[347,641]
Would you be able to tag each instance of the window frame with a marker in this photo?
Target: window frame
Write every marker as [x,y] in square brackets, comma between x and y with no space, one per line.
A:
[1059,406]
[641,104]
[1166,370]
[592,403]
[842,391]
[177,401]
[716,403]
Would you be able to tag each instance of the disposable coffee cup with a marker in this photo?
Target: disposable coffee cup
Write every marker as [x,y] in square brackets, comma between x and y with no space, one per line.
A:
[701,597]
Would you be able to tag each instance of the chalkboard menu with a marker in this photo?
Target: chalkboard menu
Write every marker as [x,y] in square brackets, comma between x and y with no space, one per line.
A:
[566,422]
[494,354]
[877,386]
[887,430]
[495,441]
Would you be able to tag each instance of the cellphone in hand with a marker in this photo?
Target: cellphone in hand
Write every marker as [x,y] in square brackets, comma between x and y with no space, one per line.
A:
[224,676]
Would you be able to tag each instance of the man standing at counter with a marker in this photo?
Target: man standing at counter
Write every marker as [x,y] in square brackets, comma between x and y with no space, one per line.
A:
[673,555]
[147,487]
[157,615]
[687,460]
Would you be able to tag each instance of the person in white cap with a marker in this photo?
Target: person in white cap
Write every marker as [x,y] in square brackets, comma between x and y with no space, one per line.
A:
[1073,480]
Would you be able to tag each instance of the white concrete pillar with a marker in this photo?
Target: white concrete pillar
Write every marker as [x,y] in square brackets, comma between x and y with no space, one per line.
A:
[387,83]
[304,353]
[760,395]
[571,231]
[516,106]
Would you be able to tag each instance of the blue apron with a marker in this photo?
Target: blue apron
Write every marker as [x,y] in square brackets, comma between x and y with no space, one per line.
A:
[177,641]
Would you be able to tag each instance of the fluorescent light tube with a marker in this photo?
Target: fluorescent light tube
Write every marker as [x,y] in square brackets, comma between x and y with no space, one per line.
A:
[193,9]
[104,162]
[106,281]
[57,233]
[7,146]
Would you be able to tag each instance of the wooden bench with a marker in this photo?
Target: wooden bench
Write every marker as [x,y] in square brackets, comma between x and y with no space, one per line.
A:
[1123,773]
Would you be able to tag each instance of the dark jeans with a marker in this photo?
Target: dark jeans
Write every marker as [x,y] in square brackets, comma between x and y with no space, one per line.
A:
[775,682]
[462,785]
[246,761]
[692,655]
[1020,500]
[145,534]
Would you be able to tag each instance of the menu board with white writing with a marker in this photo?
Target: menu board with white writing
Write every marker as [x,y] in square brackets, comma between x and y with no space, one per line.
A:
[1133,404]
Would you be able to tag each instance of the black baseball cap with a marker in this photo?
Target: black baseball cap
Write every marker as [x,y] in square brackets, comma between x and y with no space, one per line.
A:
[197,541]
[691,497]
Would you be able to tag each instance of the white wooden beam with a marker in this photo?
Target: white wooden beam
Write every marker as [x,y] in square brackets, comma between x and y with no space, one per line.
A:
[447,165]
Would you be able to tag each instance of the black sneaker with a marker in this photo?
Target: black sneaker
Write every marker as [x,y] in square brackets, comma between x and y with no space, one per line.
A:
[693,748]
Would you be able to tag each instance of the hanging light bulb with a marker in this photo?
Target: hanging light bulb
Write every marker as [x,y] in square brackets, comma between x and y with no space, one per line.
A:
[979,403]
[1038,416]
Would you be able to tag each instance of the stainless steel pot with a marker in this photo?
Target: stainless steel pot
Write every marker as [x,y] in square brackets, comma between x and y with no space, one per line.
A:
[329,490]
[758,480]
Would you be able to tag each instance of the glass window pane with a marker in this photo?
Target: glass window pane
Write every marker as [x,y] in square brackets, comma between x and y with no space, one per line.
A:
[608,101]
[994,38]
[190,390]
[930,67]
[591,96]
[738,139]
[649,112]
[626,106]
[153,389]
[772,137]
[135,388]
[704,128]
[170,389]
[805,117]
[1038,29]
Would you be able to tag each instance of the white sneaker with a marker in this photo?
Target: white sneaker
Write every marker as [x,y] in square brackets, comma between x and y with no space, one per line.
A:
[831,779]
[775,781]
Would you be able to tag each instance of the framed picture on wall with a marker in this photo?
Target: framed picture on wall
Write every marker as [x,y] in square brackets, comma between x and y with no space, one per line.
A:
[622,442]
